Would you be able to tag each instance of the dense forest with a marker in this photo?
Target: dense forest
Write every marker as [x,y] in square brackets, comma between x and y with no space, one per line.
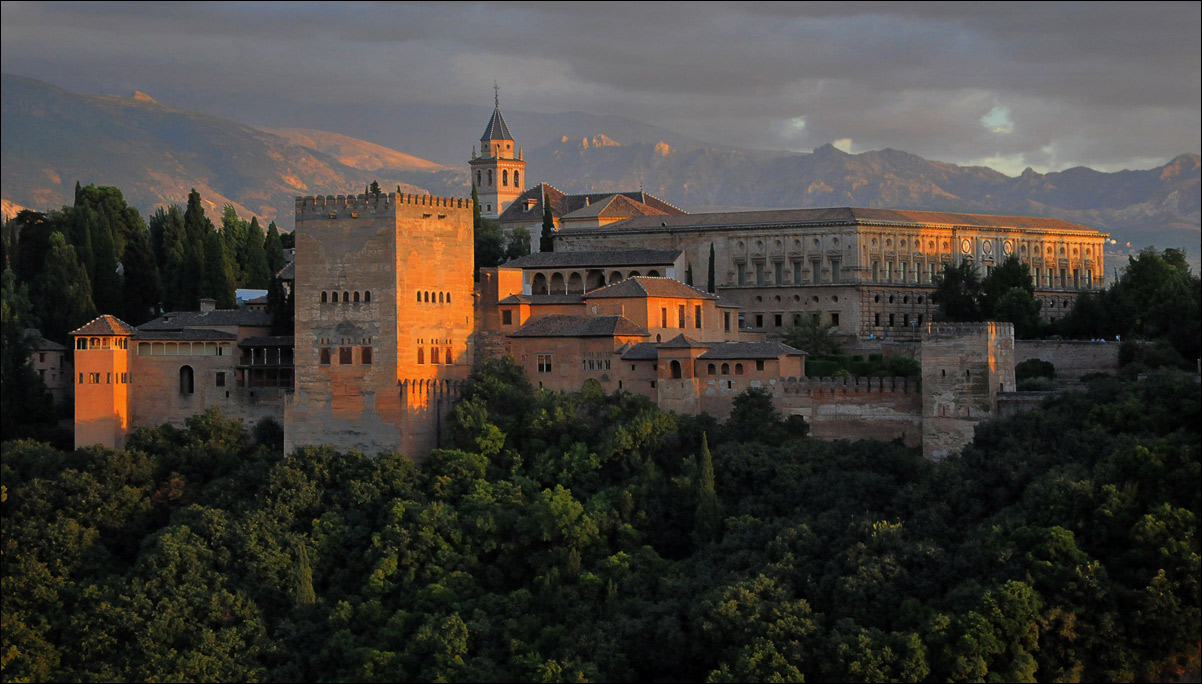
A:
[591,537]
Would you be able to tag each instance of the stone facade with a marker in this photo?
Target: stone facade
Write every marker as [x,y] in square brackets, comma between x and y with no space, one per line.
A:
[868,272]
[964,368]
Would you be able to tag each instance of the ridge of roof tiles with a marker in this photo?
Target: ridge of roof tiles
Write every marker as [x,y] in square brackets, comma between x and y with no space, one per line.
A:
[682,341]
[176,320]
[106,325]
[618,257]
[648,286]
[749,350]
[496,128]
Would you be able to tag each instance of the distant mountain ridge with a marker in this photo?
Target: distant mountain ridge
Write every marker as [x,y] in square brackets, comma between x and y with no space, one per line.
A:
[52,137]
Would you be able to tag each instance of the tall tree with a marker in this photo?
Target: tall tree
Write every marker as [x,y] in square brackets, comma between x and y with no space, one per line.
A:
[274,248]
[519,243]
[180,286]
[233,235]
[26,409]
[546,242]
[709,282]
[958,293]
[66,292]
[1012,273]
[108,290]
[709,514]
[143,289]
[257,272]
[215,283]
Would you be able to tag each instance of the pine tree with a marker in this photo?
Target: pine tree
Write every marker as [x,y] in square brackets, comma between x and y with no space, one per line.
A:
[66,301]
[709,513]
[374,188]
[546,242]
[709,283]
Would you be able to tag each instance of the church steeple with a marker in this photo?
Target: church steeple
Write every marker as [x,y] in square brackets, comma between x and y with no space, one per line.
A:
[497,171]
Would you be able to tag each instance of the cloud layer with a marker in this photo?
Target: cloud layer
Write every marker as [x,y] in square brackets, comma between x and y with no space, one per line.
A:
[1106,85]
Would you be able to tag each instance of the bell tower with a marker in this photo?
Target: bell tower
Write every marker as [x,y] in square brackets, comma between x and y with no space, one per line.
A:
[498,167]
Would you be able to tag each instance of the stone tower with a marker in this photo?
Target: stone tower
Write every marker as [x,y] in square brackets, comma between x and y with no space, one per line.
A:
[102,360]
[498,167]
[964,366]
[383,319]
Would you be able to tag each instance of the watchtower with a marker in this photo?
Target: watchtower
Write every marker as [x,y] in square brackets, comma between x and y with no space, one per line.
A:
[102,360]
[498,168]
[964,366]
[383,307]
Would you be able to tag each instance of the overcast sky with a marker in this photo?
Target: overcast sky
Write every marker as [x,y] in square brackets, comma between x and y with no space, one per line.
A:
[1107,85]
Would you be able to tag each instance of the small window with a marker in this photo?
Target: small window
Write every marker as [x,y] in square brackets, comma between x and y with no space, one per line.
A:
[738,369]
[367,297]
[419,297]
[544,363]
[663,318]
[697,316]
[108,378]
[185,380]
[675,369]
[93,378]
[325,297]
[759,320]
[325,356]
[334,297]
[506,317]
[711,369]
[726,369]
[365,356]
[447,357]
[434,355]
[421,355]
[346,297]
[834,318]
[777,321]
[344,356]
[759,364]
[356,297]
[680,316]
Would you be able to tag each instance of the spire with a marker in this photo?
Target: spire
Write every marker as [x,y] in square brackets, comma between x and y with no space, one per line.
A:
[496,93]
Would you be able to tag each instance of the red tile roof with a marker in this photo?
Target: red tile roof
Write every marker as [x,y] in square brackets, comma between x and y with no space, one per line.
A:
[106,325]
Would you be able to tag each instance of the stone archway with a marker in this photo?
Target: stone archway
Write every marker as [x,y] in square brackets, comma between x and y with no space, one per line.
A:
[595,280]
[557,284]
[575,284]
[538,286]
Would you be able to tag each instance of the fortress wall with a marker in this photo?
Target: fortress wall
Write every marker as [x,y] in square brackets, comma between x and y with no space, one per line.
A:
[1072,358]
[856,408]
[964,367]
[158,399]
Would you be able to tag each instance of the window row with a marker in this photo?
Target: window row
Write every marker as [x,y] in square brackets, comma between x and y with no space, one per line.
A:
[428,297]
[331,297]
[346,356]
[595,365]
[182,349]
[108,378]
[448,359]
[102,343]
[517,178]
[680,316]
[778,320]
[798,275]
[893,319]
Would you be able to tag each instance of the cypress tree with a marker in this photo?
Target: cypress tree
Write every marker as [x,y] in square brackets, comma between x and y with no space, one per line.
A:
[475,208]
[143,290]
[215,282]
[180,291]
[233,230]
[546,242]
[709,514]
[66,301]
[709,283]
[274,248]
[108,291]
[257,273]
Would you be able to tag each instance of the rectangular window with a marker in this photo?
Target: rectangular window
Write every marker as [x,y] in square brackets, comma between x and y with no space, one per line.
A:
[796,319]
[741,270]
[888,271]
[506,317]
[759,273]
[325,356]
[742,321]
[221,379]
[776,320]
[344,356]
[779,272]
[797,279]
[365,356]
[93,378]
[836,272]
[759,364]
[680,316]
[726,321]
[814,318]
[663,318]
[81,378]
[876,320]
[544,363]
[124,378]
[890,320]
[835,318]
[108,378]
[759,320]
[816,270]
[41,357]
[902,271]
[697,316]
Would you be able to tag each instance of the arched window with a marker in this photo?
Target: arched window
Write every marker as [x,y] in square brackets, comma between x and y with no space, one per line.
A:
[505,177]
[186,377]
[434,355]
[712,369]
[726,369]
[440,298]
[517,176]
[675,368]
[419,297]
[81,343]
[738,369]
[367,297]
[448,298]
[325,297]
[346,297]
[421,355]
[490,176]
[356,297]
[477,177]
[447,358]
[334,297]
[427,297]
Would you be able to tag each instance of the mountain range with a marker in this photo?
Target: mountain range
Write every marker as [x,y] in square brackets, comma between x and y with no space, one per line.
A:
[155,154]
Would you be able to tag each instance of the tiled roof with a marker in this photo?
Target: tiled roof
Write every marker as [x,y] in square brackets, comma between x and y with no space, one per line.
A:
[536,300]
[724,303]
[288,272]
[188,334]
[560,325]
[106,325]
[268,341]
[614,206]
[618,257]
[564,204]
[643,351]
[647,286]
[748,350]
[33,337]
[841,216]
[682,341]
[496,128]
[177,320]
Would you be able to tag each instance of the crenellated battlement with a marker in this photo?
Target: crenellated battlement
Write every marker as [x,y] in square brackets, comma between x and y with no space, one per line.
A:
[857,386]
[983,329]
[385,202]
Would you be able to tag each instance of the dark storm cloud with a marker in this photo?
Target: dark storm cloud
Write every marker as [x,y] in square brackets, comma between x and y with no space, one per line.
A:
[1108,85]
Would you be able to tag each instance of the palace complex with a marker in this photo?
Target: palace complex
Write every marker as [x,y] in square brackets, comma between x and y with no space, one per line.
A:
[638,296]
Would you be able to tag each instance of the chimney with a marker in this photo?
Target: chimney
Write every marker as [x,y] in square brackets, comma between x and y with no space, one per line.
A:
[207,305]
